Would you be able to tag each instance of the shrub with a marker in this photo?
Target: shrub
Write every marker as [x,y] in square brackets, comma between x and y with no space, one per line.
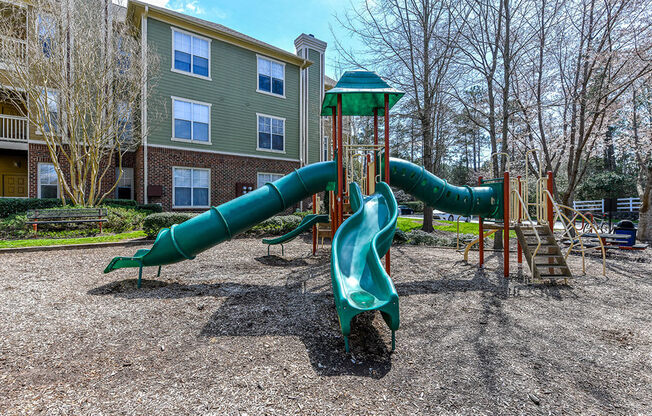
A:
[421,238]
[400,237]
[278,225]
[417,206]
[150,208]
[153,223]
[14,226]
[11,206]
[119,203]
[303,214]
[122,219]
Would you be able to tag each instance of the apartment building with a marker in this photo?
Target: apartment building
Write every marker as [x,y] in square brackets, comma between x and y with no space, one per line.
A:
[26,168]
[227,113]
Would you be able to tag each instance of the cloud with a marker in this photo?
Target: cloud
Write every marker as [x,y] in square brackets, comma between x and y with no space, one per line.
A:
[186,6]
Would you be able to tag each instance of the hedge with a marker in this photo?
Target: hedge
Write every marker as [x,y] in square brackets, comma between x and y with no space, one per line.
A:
[126,203]
[155,222]
[417,206]
[11,206]
[152,208]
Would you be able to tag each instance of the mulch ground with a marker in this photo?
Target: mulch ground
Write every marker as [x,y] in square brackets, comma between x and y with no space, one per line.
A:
[239,332]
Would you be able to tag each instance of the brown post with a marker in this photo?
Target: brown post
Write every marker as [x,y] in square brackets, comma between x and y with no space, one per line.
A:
[481,229]
[551,217]
[332,203]
[387,256]
[506,222]
[376,165]
[314,227]
[340,150]
[519,249]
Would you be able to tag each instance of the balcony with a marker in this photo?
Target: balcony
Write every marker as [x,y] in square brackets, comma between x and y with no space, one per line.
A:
[13,128]
[10,48]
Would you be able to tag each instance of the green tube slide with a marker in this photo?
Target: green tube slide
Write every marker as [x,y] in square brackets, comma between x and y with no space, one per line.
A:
[360,282]
[485,200]
[184,241]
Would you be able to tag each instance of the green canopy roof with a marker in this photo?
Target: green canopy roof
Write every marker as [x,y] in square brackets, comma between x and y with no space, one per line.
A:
[362,91]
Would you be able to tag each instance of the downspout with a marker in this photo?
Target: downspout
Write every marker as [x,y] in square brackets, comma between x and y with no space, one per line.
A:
[143,124]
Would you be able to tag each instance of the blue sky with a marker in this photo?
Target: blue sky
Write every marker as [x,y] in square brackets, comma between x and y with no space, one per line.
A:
[276,22]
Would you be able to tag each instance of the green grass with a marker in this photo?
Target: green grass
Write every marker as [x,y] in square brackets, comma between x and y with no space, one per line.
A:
[32,242]
[409,224]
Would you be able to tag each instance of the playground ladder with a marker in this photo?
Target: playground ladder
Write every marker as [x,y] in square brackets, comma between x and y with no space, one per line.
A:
[549,263]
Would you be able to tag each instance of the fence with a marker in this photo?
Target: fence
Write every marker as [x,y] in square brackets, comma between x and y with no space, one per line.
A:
[631,204]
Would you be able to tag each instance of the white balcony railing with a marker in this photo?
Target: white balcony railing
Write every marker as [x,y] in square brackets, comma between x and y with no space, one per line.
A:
[10,49]
[13,128]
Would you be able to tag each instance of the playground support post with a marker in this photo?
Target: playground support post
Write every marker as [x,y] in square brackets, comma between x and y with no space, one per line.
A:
[481,229]
[314,227]
[506,222]
[340,148]
[551,217]
[519,249]
[376,166]
[368,173]
[387,257]
[332,202]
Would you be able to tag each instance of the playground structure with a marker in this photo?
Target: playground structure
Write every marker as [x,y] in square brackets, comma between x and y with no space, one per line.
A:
[363,211]
[540,224]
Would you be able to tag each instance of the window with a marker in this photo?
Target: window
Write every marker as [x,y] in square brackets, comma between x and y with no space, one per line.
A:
[190,187]
[271,133]
[46,33]
[191,121]
[271,77]
[191,54]
[48,183]
[125,188]
[263,178]
[124,129]
[50,99]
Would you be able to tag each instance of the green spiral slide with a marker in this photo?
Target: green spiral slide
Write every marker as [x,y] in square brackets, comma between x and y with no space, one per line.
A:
[360,282]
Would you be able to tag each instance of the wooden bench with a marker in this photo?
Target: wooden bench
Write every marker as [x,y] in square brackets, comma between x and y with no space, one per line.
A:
[66,216]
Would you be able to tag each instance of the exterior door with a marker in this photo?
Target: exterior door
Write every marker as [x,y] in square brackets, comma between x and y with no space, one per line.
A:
[14,185]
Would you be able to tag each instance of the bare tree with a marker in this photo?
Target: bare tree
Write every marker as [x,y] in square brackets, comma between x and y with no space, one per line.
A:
[78,79]
[411,43]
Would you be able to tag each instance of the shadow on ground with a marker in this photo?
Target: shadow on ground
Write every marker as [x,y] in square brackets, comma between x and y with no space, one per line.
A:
[303,308]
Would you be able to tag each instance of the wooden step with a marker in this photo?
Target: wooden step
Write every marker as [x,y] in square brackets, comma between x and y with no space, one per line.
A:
[549,263]
[554,276]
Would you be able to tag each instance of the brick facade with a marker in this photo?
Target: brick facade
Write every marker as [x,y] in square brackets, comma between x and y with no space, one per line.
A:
[38,153]
[225,172]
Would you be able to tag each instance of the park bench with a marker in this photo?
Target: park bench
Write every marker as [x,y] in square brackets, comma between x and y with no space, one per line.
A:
[64,216]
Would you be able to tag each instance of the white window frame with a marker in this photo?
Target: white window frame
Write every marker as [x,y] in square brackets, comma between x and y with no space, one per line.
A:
[39,130]
[125,169]
[262,149]
[192,74]
[280,175]
[191,189]
[210,109]
[258,73]
[41,16]
[38,179]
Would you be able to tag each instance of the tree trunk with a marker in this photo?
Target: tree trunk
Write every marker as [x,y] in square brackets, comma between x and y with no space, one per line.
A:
[645,214]
[426,125]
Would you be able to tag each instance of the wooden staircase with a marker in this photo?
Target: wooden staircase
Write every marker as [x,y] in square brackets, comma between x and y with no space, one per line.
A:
[549,263]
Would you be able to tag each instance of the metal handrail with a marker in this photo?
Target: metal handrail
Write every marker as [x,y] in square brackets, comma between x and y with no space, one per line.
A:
[531,224]
[558,207]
